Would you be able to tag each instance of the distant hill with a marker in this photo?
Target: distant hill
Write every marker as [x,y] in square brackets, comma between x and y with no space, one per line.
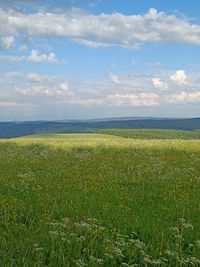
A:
[152,133]
[14,129]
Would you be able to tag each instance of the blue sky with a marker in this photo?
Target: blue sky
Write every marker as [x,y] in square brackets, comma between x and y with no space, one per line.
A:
[92,59]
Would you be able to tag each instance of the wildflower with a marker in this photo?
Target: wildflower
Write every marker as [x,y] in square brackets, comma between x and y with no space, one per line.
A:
[66,220]
[81,238]
[80,263]
[39,249]
[118,252]
[179,237]
[96,260]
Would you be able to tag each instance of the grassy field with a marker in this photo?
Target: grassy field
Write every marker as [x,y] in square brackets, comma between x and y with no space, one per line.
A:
[99,200]
[153,134]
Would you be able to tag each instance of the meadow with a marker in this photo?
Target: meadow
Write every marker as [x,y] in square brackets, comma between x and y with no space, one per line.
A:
[153,133]
[99,200]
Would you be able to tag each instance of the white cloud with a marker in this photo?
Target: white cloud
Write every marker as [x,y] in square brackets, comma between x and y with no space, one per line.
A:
[35,78]
[140,100]
[64,87]
[143,99]
[35,90]
[102,30]
[35,56]
[86,102]
[114,78]
[42,85]
[92,44]
[159,84]
[184,97]
[179,78]
[132,91]
[9,78]
[7,42]
[39,86]
[12,74]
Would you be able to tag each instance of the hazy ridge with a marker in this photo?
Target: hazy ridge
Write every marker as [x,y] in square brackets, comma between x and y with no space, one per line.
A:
[14,129]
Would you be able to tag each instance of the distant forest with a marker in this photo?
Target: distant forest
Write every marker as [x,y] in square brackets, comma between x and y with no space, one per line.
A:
[15,129]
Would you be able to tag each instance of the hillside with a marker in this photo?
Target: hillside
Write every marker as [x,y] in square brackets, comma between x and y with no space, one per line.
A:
[153,133]
[14,129]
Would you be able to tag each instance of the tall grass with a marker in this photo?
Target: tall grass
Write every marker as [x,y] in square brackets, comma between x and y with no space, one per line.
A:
[97,200]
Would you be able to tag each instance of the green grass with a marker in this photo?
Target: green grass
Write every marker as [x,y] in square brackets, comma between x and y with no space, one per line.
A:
[94,199]
[153,133]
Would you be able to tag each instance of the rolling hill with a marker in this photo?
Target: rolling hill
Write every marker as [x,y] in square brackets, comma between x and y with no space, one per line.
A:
[14,129]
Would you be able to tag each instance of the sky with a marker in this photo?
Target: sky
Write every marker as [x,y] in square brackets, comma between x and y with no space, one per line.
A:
[76,59]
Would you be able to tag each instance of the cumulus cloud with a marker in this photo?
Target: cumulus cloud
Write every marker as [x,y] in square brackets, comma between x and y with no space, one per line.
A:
[6,42]
[159,84]
[35,57]
[39,85]
[87,102]
[184,97]
[35,90]
[179,78]
[92,44]
[143,99]
[35,78]
[104,29]
[35,84]
[64,87]
[114,78]
[40,79]
[44,89]
[134,100]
